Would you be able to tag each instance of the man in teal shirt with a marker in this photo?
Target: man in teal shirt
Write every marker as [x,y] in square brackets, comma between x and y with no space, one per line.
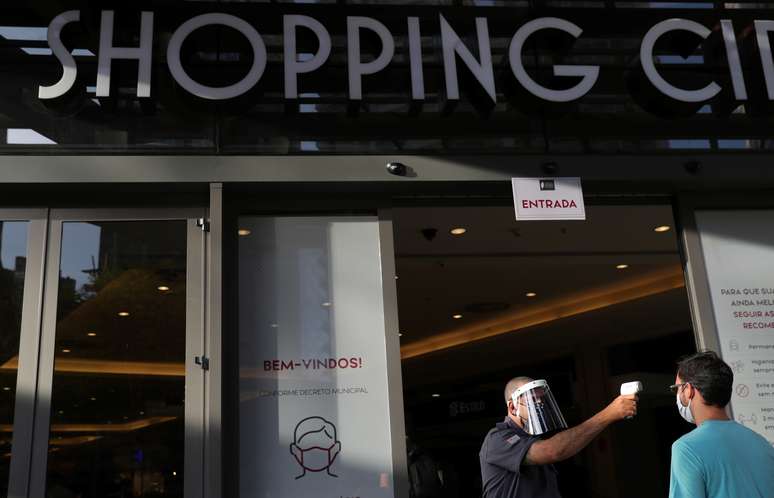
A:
[720,458]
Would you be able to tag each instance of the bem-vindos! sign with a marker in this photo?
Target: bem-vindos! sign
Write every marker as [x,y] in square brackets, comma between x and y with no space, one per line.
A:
[452,48]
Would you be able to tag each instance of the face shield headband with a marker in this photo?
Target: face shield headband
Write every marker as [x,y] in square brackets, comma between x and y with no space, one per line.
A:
[537,408]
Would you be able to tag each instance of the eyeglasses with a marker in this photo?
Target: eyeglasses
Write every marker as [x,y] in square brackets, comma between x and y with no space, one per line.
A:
[676,387]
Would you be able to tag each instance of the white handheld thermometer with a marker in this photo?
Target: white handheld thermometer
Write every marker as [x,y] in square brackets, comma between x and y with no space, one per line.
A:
[629,388]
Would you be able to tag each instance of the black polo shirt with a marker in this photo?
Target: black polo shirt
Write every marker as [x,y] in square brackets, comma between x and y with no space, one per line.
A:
[502,472]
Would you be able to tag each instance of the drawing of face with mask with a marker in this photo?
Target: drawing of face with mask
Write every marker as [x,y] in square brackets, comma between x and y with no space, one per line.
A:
[315,446]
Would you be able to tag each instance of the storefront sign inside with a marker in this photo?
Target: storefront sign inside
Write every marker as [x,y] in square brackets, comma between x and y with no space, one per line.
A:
[548,199]
[452,47]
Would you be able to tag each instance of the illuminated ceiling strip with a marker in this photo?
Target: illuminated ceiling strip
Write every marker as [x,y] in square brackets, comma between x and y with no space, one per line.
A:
[79,365]
[126,427]
[73,441]
[563,307]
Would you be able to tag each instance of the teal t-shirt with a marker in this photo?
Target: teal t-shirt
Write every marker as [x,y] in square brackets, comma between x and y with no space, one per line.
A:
[722,459]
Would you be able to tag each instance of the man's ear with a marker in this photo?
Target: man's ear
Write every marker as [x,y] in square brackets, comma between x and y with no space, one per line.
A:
[511,409]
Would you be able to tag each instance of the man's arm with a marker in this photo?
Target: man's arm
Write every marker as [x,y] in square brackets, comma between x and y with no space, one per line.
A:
[568,443]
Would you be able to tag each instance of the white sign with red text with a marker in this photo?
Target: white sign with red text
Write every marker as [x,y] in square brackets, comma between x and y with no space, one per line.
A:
[738,249]
[548,199]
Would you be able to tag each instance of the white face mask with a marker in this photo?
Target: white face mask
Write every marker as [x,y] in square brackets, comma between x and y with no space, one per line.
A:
[685,411]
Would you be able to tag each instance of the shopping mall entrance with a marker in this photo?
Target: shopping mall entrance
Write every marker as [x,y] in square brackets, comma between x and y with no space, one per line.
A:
[586,305]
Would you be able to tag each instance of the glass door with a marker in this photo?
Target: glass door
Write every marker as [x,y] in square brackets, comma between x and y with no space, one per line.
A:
[121,380]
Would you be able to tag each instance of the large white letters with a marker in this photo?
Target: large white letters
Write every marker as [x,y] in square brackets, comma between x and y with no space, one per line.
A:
[647,60]
[107,52]
[208,92]
[453,46]
[356,68]
[294,67]
[589,74]
[69,70]
[762,29]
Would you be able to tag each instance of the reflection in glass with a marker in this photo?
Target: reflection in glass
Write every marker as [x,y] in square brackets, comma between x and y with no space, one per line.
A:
[117,424]
[13,259]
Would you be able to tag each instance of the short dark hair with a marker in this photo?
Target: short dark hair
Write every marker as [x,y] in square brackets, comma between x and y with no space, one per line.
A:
[710,375]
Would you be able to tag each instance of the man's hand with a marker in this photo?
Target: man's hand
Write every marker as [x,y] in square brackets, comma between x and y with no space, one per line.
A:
[621,408]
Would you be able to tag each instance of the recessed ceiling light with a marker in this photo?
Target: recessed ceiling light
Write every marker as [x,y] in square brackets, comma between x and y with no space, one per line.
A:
[174,473]
[457,317]
[436,395]
[400,334]
[622,266]
[458,231]
[92,334]
[93,398]
[530,294]
[6,388]
[326,304]
[244,232]
[163,288]
[66,350]
[662,228]
[123,313]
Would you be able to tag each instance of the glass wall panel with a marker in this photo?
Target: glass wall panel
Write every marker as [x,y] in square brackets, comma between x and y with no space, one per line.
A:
[117,416]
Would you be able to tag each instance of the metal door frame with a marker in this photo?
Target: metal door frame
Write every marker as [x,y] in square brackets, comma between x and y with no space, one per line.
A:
[34,483]
[26,374]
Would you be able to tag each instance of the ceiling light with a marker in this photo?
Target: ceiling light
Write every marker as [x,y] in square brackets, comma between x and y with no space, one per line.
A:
[66,351]
[458,231]
[621,267]
[326,304]
[93,398]
[174,473]
[400,334]
[457,317]
[662,228]
[92,334]
[123,313]
[163,288]
[6,388]
[531,294]
[436,395]
[244,232]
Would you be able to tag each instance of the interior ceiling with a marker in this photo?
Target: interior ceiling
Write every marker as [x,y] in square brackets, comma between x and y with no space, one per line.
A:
[486,273]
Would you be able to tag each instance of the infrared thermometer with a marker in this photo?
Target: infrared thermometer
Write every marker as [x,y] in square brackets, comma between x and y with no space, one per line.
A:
[630,388]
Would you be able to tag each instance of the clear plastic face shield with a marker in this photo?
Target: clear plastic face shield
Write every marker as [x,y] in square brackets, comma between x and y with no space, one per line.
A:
[537,408]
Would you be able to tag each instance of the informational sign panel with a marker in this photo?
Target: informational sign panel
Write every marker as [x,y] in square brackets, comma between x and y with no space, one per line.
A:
[548,199]
[314,405]
[738,248]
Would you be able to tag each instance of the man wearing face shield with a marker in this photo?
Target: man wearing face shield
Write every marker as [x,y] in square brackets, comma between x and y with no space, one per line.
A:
[517,456]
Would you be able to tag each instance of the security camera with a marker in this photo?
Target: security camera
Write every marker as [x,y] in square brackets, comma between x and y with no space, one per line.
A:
[397,169]
[429,233]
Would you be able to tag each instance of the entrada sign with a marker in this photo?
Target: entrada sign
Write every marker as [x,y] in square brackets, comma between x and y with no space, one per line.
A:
[452,48]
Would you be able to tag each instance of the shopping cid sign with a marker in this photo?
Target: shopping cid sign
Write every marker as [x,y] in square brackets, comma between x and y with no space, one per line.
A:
[452,48]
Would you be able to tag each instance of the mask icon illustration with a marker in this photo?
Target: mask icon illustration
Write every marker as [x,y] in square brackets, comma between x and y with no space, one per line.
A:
[315,446]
